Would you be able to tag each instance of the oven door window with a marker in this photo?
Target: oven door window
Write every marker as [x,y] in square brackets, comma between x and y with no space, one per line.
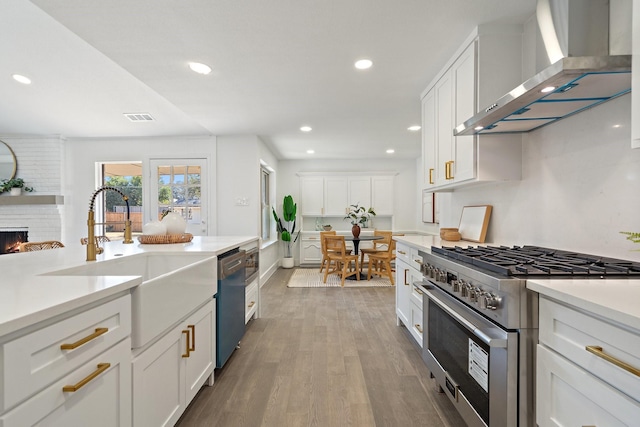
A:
[454,346]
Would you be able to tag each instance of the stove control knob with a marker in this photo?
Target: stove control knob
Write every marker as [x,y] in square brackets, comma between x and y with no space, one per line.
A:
[488,301]
[455,286]
[464,289]
[473,293]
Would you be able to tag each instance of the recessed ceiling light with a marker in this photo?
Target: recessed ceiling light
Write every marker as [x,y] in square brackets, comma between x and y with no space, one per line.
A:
[310,151]
[616,126]
[478,127]
[363,64]
[305,128]
[548,89]
[199,68]
[414,128]
[21,79]
[391,151]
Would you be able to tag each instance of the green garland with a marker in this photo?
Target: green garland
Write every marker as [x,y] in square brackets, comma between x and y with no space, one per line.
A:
[634,237]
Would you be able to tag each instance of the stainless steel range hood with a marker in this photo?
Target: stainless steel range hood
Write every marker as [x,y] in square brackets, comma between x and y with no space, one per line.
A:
[579,82]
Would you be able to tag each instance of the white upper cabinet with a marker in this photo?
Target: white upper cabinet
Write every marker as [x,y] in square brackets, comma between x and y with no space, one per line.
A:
[429,140]
[335,195]
[331,195]
[360,191]
[635,75]
[312,195]
[485,67]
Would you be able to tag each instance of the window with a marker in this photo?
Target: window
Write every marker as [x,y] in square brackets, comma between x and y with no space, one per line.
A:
[264,203]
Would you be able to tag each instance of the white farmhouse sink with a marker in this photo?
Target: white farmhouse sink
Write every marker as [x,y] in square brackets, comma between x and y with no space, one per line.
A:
[173,285]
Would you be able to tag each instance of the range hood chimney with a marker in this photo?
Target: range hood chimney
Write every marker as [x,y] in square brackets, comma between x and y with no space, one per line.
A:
[577,41]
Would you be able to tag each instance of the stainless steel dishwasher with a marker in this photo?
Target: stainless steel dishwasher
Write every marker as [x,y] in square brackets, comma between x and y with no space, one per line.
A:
[230,303]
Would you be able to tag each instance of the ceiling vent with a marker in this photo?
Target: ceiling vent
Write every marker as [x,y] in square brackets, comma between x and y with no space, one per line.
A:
[139,117]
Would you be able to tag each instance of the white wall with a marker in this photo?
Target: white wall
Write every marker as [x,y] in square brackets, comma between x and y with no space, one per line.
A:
[580,187]
[40,164]
[405,184]
[80,171]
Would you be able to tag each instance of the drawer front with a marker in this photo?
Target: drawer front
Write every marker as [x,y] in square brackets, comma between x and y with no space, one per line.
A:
[251,301]
[569,332]
[104,400]
[569,396]
[403,252]
[35,360]
[416,326]
[416,294]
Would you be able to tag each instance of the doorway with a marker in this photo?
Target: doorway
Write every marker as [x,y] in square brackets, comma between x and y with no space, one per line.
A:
[180,185]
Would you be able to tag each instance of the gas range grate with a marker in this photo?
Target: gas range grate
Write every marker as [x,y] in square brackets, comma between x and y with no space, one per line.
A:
[538,261]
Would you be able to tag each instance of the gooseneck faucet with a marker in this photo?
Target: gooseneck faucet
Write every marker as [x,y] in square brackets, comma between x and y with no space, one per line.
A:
[92,246]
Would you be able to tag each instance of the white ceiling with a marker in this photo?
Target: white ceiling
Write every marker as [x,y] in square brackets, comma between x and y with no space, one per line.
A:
[277,65]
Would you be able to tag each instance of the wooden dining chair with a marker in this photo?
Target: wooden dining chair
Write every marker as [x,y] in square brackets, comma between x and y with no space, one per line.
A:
[378,245]
[340,259]
[40,246]
[323,248]
[99,239]
[380,263]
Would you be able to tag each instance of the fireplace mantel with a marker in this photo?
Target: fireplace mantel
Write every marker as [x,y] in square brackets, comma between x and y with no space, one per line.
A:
[31,200]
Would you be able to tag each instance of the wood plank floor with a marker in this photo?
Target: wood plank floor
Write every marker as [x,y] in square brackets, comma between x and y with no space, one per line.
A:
[323,357]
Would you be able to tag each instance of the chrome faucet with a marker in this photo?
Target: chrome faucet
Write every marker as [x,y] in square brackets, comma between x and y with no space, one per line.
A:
[92,244]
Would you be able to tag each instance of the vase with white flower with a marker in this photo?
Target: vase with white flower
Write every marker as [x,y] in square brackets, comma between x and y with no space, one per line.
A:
[358,216]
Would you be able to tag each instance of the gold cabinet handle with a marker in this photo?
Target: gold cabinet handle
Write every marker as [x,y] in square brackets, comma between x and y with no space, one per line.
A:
[431,176]
[96,334]
[188,347]
[322,211]
[193,337]
[418,327]
[101,368]
[447,169]
[251,304]
[418,261]
[402,252]
[418,291]
[598,351]
[405,277]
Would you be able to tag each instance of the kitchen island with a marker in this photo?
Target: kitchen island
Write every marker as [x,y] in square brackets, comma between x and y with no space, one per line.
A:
[81,340]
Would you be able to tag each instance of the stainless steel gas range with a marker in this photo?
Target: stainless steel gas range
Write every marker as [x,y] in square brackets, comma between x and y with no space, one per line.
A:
[482,323]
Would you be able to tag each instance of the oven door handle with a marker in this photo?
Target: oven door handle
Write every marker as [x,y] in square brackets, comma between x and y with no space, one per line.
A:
[491,342]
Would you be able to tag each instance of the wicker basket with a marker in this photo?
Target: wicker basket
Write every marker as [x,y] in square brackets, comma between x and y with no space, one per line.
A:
[165,238]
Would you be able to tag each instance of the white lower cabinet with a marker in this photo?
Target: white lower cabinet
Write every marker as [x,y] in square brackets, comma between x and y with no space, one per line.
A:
[167,375]
[102,396]
[251,301]
[579,381]
[408,298]
[74,370]
[310,250]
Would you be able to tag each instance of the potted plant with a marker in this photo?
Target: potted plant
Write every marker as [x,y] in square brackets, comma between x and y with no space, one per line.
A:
[14,185]
[287,228]
[358,215]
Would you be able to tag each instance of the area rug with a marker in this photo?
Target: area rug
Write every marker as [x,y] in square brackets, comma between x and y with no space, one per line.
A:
[310,278]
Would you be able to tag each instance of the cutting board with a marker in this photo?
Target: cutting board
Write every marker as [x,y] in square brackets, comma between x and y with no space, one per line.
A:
[474,222]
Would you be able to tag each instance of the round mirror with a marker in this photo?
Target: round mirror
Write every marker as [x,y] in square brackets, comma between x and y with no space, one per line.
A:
[7,162]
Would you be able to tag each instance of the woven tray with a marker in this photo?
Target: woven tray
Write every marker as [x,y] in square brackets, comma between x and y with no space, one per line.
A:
[165,238]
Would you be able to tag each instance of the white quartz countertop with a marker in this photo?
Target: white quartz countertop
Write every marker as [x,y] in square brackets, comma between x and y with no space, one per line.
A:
[424,242]
[28,297]
[615,299]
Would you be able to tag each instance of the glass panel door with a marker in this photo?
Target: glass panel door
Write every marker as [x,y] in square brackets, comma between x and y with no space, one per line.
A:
[180,185]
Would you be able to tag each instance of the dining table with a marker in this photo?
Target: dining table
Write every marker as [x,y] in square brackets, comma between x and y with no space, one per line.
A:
[356,244]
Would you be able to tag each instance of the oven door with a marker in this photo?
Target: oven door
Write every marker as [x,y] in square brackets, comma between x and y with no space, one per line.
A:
[473,360]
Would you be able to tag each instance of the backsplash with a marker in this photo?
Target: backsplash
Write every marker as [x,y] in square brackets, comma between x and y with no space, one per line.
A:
[40,162]
[579,187]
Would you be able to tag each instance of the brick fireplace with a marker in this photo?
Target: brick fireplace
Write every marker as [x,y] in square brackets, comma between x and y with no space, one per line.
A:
[11,237]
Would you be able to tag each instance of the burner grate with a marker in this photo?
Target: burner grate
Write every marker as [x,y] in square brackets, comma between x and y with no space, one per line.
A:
[538,261]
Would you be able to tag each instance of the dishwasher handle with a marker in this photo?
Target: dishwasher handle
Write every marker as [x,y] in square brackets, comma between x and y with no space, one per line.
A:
[231,264]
